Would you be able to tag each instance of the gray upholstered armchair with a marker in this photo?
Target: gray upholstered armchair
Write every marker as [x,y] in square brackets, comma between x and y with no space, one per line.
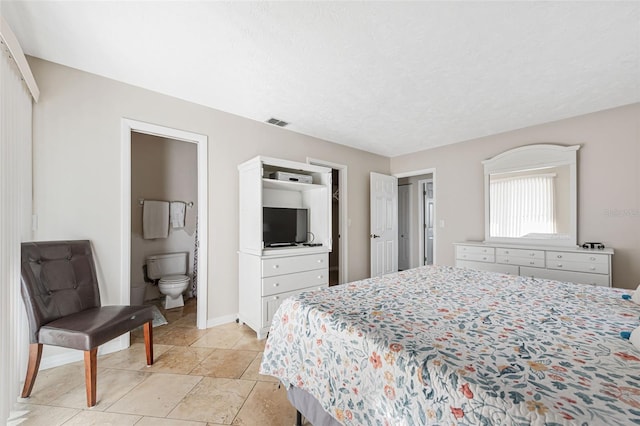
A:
[62,299]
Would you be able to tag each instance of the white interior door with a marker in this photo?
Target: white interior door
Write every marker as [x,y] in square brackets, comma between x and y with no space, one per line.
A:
[384,224]
[404,227]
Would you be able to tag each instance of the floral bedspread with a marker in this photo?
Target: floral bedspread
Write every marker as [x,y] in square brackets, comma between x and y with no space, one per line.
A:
[440,345]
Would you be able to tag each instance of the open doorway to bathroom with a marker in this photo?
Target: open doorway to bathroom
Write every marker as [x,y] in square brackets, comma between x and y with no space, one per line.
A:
[164,164]
[164,179]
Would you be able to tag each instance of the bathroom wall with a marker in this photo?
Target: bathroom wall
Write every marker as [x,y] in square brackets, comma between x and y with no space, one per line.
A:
[161,169]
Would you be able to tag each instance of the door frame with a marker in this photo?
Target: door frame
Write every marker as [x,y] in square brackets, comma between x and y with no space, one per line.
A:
[128,126]
[432,172]
[343,258]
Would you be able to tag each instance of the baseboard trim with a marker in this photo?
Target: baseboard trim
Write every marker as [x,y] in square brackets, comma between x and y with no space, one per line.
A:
[212,322]
[73,355]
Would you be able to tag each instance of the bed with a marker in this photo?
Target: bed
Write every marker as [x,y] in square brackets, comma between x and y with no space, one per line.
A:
[442,345]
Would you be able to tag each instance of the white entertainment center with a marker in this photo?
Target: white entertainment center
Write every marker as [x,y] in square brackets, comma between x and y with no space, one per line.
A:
[268,275]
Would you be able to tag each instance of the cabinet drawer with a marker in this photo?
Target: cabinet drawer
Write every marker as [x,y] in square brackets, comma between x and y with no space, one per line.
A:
[292,264]
[270,304]
[594,268]
[523,261]
[529,254]
[559,256]
[575,277]
[474,251]
[491,267]
[489,258]
[296,281]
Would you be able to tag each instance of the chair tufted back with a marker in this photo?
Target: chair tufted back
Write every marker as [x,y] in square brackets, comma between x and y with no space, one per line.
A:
[58,279]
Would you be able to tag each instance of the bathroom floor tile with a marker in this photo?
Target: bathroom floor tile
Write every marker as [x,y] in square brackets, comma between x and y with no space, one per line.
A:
[157,421]
[225,363]
[179,360]
[267,405]
[53,382]
[112,384]
[213,400]
[156,396]
[249,342]
[253,371]
[40,415]
[222,338]
[180,336]
[189,321]
[134,358]
[90,418]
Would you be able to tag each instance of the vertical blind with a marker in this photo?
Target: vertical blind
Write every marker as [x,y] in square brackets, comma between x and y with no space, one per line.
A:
[15,224]
[522,205]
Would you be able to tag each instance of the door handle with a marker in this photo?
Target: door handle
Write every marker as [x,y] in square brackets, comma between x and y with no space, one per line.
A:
[374,236]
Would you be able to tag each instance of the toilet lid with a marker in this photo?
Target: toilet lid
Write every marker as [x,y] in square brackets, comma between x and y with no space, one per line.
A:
[174,279]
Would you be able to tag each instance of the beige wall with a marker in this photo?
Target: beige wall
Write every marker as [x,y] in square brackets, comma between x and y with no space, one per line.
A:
[161,169]
[608,183]
[77,169]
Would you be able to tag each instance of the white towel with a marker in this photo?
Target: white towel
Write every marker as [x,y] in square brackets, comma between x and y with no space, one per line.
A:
[178,209]
[155,219]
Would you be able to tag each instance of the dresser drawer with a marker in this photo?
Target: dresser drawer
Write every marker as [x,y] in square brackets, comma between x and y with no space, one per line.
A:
[476,253]
[575,277]
[292,264]
[295,281]
[529,254]
[270,304]
[522,261]
[474,250]
[594,268]
[491,267]
[558,256]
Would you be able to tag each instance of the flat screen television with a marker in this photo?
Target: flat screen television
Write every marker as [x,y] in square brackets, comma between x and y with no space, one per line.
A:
[284,226]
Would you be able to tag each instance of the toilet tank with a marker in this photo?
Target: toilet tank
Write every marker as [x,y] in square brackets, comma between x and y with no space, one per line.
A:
[161,265]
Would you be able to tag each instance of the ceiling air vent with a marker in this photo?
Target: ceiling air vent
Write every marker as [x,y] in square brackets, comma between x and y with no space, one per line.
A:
[277,122]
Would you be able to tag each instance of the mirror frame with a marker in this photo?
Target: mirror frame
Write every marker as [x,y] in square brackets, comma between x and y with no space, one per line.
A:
[535,157]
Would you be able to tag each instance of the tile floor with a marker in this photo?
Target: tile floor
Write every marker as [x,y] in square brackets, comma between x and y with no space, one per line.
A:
[199,377]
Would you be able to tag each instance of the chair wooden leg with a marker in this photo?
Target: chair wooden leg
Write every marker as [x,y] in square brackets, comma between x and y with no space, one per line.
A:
[148,341]
[90,375]
[35,354]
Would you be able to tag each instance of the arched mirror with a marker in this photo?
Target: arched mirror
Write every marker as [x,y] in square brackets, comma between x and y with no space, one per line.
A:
[530,196]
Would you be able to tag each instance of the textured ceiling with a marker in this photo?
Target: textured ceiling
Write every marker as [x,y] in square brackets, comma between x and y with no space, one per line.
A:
[387,77]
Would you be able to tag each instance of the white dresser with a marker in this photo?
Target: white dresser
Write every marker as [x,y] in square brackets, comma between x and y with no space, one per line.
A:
[266,282]
[585,266]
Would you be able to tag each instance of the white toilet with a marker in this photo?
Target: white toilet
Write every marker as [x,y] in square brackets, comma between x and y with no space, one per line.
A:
[171,269]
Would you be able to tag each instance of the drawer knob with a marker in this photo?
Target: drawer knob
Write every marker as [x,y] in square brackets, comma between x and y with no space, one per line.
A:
[592,258]
[276,284]
[319,277]
[532,263]
[559,256]
[506,252]
[484,258]
[559,265]
[276,266]
[506,261]
[276,297]
[320,260]
[593,268]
